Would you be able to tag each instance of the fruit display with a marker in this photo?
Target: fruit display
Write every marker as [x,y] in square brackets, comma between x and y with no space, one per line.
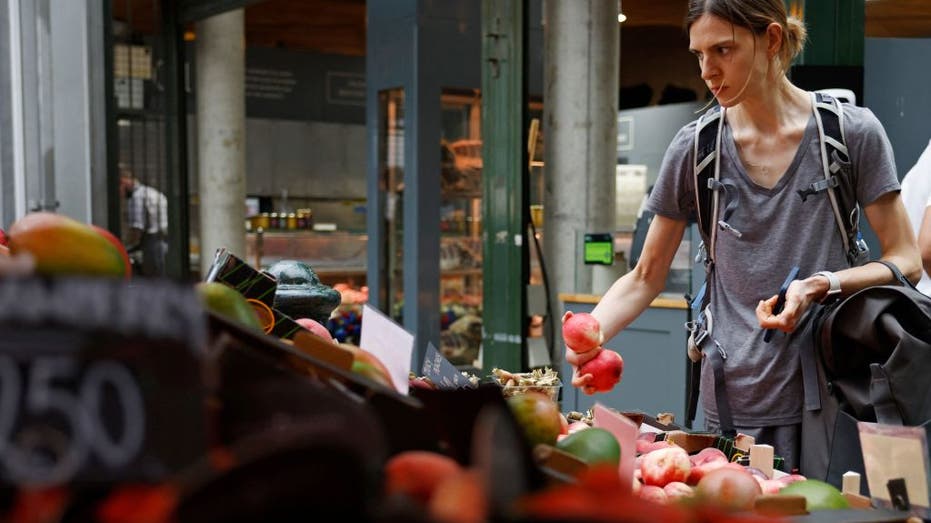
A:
[406,467]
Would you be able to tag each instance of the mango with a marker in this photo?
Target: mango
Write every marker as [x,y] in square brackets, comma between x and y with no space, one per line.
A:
[228,302]
[593,446]
[63,246]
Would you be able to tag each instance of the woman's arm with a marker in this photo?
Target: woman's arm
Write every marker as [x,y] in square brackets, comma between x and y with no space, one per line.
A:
[889,220]
[632,293]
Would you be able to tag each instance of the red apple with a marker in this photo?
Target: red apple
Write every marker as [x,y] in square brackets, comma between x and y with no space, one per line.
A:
[664,466]
[654,494]
[677,490]
[606,369]
[646,448]
[315,328]
[704,462]
[576,426]
[769,486]
[791,478]
[581,331]
[4,241]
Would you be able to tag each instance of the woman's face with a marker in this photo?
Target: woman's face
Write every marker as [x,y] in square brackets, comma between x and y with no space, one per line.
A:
[728,55]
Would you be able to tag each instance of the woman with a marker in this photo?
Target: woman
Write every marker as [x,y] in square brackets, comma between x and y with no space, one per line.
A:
[770,150]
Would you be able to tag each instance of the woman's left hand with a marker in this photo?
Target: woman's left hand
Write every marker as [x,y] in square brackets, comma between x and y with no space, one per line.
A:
[799,298]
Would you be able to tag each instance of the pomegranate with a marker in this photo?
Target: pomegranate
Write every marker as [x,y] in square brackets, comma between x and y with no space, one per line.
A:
[581,331]
[664,466]
[606,369]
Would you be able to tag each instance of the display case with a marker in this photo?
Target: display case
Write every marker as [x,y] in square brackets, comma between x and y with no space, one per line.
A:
[460,226]
[336,257]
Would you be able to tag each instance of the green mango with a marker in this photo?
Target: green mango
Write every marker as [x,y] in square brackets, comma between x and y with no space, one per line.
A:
[818,494]
[593,446]
[227,301]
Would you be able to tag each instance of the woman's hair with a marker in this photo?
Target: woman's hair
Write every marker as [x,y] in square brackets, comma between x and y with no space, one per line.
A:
[755,15]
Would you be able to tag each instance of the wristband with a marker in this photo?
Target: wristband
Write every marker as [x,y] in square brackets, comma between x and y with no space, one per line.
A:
[833,283]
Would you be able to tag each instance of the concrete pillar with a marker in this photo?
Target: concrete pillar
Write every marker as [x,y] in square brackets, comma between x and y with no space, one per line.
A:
[580,77]
[221,134]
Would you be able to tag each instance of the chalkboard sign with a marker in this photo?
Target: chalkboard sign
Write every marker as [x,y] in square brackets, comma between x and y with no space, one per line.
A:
[83,402]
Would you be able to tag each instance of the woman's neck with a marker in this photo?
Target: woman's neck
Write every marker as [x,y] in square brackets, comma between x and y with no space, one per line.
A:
[771,110]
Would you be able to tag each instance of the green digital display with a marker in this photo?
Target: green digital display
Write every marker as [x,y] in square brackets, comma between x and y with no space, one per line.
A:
[599,249]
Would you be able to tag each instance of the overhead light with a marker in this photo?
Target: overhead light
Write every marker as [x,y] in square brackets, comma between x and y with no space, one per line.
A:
[621,18]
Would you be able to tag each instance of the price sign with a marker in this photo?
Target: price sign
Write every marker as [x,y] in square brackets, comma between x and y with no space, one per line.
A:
[83,407]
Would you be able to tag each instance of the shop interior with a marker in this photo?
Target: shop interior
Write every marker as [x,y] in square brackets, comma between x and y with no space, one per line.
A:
[309,155]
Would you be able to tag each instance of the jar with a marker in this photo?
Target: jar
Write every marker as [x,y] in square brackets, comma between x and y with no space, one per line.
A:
[262,221]
[301,219]
[274,221]
[292,222]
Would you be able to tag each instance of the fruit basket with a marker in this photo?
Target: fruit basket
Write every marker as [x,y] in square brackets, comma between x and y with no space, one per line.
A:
[545,381]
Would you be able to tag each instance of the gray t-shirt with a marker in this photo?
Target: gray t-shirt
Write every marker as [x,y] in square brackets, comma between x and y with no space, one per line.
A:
[779,230]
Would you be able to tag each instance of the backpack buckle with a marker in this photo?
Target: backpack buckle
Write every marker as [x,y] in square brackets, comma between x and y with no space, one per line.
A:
[819,186]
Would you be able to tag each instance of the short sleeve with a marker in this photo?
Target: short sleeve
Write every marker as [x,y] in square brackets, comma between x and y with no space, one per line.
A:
[672,195]
[871,153]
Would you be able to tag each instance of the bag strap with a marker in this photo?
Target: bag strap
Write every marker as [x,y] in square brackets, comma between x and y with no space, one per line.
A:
[881,397]
[899,277]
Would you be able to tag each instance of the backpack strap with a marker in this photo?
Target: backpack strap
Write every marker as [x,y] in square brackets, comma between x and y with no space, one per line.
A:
[838,180]
[706,171]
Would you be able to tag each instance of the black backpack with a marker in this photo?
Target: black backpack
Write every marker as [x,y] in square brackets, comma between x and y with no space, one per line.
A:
[874,352]
[839,186]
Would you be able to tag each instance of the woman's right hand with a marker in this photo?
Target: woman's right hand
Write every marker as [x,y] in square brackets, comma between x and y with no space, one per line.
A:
[577,360]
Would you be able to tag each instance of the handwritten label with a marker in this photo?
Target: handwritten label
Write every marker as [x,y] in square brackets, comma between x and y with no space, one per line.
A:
[441,372]
[390,343]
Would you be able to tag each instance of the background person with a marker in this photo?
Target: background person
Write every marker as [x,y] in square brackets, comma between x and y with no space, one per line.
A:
[769,150]
[147,220]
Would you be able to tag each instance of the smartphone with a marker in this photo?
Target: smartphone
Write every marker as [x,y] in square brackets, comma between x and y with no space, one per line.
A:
[781,301]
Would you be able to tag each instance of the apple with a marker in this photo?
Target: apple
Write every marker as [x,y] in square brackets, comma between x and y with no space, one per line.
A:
[646,448]
[664,466]
[677,490]
[581,331]
[729,488]
[705,461]
[315,328]
[654,494]
[606,369]
[576,426]
[416,474]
